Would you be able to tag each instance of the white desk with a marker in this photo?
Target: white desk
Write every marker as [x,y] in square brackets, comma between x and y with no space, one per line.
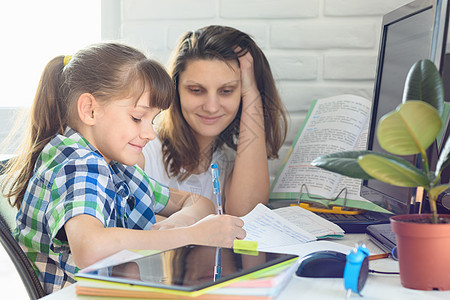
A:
[377,286]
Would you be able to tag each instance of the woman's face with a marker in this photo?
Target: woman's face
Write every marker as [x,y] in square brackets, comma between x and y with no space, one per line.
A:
[210,94]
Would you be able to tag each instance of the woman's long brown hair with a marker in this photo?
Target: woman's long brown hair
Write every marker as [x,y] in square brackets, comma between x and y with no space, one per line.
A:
[180,148]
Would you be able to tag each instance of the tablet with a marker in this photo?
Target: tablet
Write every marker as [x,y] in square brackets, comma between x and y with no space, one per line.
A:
[189,269]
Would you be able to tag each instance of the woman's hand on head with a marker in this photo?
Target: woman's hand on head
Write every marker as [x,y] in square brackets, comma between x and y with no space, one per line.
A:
[218,230]
[248,81]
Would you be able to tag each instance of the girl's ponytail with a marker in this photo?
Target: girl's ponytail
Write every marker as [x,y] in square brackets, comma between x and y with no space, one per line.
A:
[46,119]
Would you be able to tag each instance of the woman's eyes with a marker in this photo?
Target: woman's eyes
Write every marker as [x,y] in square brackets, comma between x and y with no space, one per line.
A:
[137,120]
[227,91]
[224,91]
[195,90]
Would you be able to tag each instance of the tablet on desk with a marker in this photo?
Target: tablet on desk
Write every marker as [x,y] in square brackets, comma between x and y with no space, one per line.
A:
[189,270]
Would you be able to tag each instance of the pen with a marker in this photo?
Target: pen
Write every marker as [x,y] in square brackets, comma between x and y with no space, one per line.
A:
[216,187]
[218,264]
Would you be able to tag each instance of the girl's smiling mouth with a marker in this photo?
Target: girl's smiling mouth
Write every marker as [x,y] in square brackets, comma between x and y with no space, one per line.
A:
[137,147]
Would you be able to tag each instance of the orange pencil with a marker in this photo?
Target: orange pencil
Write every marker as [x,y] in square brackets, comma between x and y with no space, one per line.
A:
[379,256]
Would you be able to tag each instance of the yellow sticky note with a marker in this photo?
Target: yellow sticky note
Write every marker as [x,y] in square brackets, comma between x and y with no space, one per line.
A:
[245,245]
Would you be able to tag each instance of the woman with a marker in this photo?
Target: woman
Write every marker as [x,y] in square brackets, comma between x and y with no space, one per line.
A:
[227,110]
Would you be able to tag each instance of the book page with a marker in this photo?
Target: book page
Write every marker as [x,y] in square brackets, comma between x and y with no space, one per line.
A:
[271,230]
[309,221]
[353,185]
[334,124]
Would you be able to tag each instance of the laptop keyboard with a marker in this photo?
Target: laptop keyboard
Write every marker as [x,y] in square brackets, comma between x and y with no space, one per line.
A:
[349,223]
[344,217]
[356,223]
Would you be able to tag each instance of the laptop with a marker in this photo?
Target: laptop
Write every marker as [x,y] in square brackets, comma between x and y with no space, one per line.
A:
[382,236]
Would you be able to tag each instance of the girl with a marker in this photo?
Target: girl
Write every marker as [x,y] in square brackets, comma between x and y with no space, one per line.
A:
[227,110]
[80,197]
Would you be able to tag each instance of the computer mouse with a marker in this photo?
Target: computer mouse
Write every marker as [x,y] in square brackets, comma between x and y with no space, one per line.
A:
[325,264]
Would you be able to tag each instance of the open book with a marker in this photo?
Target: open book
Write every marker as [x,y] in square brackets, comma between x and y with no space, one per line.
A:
[286,226]
[333,124]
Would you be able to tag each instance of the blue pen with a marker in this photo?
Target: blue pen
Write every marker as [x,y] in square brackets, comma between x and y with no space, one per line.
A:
[216,187]
[218,264]
[216,190]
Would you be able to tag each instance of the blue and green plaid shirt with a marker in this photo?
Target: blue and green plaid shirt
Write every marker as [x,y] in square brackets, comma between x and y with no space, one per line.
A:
[72,178]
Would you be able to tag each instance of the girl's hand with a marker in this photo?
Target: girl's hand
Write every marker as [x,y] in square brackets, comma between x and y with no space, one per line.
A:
[248,82]
[218,230]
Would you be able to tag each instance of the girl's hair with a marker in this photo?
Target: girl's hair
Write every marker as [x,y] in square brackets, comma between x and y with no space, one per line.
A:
[179,146]
[108,71]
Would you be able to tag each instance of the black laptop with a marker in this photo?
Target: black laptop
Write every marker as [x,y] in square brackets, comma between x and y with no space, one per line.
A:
[382,236]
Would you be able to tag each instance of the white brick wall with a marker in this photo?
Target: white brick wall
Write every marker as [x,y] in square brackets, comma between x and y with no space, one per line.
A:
[316,48]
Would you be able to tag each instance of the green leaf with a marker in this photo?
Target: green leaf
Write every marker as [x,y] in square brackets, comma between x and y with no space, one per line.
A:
[437,190]
[424,82]
[444,158]
[393,170]
[410,129]
[344,163]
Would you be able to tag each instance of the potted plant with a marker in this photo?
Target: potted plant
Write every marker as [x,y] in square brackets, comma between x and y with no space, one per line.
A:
[410,129]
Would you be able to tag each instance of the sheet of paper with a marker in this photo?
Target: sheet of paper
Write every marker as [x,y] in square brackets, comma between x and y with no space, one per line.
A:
[309,221]
[271,230]
[123,256]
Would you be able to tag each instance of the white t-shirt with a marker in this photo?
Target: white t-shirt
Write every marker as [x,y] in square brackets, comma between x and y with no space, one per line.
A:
[197,183]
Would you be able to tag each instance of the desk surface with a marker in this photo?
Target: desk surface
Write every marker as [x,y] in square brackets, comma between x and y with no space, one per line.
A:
[377,286]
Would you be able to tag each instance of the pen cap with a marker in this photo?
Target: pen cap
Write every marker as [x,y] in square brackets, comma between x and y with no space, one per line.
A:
[215,176]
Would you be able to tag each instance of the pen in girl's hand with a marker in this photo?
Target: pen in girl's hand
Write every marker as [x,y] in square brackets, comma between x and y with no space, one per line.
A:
[216,187]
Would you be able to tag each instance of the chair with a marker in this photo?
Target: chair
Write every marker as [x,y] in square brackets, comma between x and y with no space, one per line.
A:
[18,257]
[21,262]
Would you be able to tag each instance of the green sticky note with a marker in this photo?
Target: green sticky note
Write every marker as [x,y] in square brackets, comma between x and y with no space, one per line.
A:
[245,245]
[246,252]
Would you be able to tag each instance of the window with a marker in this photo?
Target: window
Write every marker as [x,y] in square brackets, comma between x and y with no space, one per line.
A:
[33,32]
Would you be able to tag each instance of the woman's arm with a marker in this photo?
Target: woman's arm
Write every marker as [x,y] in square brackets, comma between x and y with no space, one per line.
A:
[248,184]
[184,209]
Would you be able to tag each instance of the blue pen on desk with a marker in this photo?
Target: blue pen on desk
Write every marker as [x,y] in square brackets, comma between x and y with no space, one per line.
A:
[216,187]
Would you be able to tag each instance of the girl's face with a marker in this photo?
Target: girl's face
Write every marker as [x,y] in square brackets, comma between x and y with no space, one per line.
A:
[124,128]
[210,94]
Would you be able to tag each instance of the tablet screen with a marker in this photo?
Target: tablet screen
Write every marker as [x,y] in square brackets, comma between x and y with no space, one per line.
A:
[188,268]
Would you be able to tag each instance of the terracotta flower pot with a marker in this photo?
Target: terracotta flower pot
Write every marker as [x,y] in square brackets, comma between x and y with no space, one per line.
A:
[423,252]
